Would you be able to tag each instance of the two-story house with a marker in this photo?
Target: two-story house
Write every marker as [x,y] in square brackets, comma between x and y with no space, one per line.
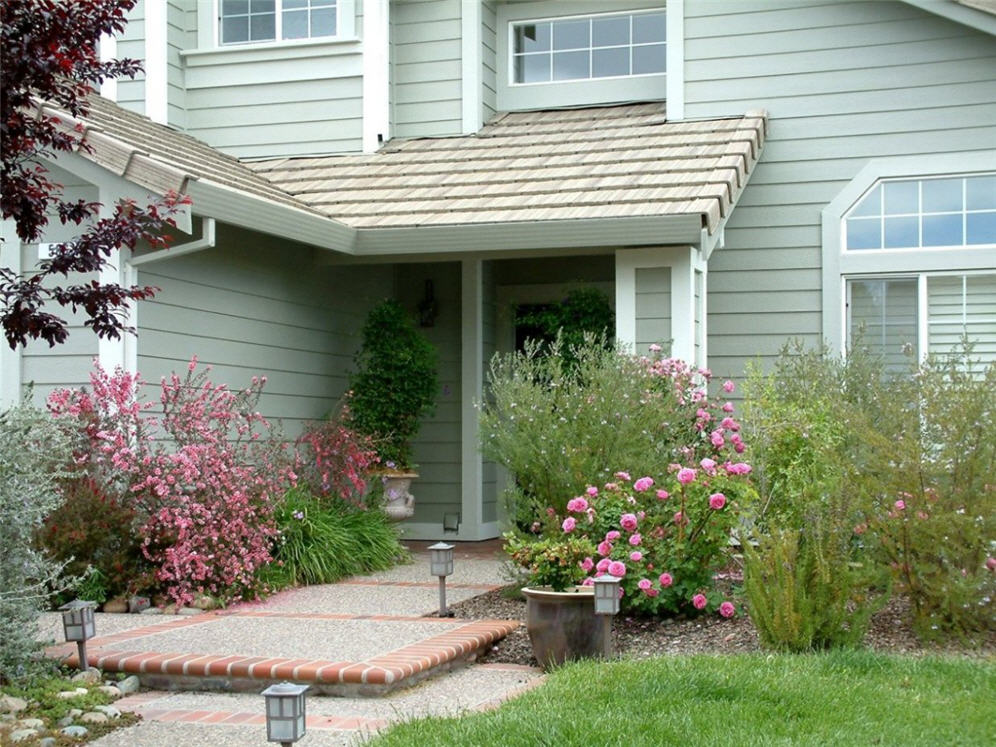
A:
[733,173]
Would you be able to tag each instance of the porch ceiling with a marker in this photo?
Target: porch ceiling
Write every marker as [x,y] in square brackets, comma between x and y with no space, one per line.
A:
[537,167]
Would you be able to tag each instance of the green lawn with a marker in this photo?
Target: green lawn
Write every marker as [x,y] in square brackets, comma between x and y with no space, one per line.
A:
[840,698]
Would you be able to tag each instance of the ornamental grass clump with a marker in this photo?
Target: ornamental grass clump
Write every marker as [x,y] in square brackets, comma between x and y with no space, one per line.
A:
[665,538]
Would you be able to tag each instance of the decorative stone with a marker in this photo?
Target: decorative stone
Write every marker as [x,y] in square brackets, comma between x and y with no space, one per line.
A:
[189,611]
[115,606]
[23,735]
[65,721]
[152,611]
[68,694]
[30,723]
[90,676]
[47,742]
[75,712]
[10,704]
[108,710]
[94,717]
[206,602]
[139,604]
[75,731]
[110,690]
[128,685]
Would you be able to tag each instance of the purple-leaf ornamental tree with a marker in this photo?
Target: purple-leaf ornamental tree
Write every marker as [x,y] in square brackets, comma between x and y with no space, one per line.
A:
[49,52]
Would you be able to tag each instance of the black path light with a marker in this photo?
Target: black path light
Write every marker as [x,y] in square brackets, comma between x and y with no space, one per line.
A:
[285,712]
[441,564]
[607,605]
[79,626]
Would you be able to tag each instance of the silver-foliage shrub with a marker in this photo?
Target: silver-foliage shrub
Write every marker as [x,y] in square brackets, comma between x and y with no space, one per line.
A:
[33,449]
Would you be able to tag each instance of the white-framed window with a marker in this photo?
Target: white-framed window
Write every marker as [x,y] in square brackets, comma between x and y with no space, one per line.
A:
[252,21]
[944,211]
[921,314]
[608,45]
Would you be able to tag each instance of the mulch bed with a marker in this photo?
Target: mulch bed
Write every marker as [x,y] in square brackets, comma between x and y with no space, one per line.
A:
[638,637]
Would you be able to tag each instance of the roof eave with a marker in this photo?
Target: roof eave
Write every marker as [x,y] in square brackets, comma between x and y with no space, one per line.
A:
[963,14]
[551,234]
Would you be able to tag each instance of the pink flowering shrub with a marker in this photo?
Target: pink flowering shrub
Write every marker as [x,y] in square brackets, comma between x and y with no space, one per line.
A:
[201,476]
[665,537]
[332,459]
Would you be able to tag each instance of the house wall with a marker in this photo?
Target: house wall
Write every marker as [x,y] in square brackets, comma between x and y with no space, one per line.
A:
[653,308]
[259,306]
[67,364]
[131,45]
[843,83]
[177,39]
[436,448]
[426,85]
[489,60]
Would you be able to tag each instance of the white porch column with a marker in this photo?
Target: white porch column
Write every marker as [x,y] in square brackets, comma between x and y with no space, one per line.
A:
[376,80]
[156,69]
[121,352]
[471,387]
[683,262]
[10,360]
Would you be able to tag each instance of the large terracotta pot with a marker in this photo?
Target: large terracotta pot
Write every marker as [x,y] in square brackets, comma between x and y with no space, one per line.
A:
[562,625]
[399,503]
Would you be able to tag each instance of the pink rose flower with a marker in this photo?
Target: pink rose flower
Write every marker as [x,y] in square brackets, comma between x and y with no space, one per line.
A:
[587,564]
[726,609]
[635,540]
[577,505]
[644,584]
[666,580]
[680,518]
[699,601]
[622,476]
[636,556]
[612,535]
[592,491]
[728,407]
[588,582]
[617,569]
[628,522]
[686,475]
[991,564]
[728,386]
[663,495]
[708,465]
[716,438]
[717,501]
[569,524]
[652,592]
[900,505]
[644,483]
[604,548]
[603,565]
[654,348]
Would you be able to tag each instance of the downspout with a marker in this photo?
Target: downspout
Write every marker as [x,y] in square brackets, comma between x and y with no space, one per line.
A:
[206,241]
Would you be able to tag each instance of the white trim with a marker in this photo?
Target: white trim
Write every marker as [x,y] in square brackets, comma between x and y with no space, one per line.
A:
[922,328]
[206,241]
[112,353]
[471,390]
[838,264]
[376,78]
[683,262]
[156,87]
[675,60]
[108,51]
[472,80]
[10,360]
[209,30]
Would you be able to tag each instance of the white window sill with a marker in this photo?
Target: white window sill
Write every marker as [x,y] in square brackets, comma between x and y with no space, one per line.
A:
[273,49]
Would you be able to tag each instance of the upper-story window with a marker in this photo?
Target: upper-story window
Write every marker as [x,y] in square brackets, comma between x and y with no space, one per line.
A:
[583,47]
[243,21]
[921,213]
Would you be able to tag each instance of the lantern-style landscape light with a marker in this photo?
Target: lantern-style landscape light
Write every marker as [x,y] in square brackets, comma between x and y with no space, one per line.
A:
[441,564]
[285,712]
[607,605]
[79,626]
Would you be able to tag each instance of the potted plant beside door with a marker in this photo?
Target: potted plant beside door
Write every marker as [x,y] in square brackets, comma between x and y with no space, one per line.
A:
[394,386]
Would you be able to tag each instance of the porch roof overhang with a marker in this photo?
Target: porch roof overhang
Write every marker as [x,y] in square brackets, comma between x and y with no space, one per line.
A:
[591,177]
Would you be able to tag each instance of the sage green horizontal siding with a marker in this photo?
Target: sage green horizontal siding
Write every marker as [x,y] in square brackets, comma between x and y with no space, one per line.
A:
[176,41]
[131,45]
[426,75]
[277,101]
[259,306]
[653,308]
[436,448]
[843,83]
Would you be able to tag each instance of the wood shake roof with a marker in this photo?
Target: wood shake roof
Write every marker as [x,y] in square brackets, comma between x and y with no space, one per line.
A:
[598,162]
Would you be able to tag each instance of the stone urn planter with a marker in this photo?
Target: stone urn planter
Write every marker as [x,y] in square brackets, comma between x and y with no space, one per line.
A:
[562,625]
[399,503]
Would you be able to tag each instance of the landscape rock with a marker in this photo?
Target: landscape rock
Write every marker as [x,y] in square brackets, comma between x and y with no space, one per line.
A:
[110,690]
[115,606]
[68,694]
[65,721]
[23,735]
[94,717]
[206,602]
[108,710]
[152,611]
[30,723]
[90,676]
[128,685]
[75,731]
[10,704]
[47,742]
[139,604]
[189,611]
[75,712]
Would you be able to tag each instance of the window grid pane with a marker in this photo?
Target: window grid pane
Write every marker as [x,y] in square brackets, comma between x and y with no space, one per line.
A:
[582,48]
[244,21]
[947,212]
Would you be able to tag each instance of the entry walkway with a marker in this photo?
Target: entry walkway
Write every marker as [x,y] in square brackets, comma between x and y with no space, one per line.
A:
[367,636]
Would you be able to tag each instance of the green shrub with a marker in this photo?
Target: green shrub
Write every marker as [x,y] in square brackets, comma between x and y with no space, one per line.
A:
[33,449]
[324,539]
[554,562]
[584,311]
[804,593]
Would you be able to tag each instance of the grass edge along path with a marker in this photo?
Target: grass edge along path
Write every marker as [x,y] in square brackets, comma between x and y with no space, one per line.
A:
[840,697]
